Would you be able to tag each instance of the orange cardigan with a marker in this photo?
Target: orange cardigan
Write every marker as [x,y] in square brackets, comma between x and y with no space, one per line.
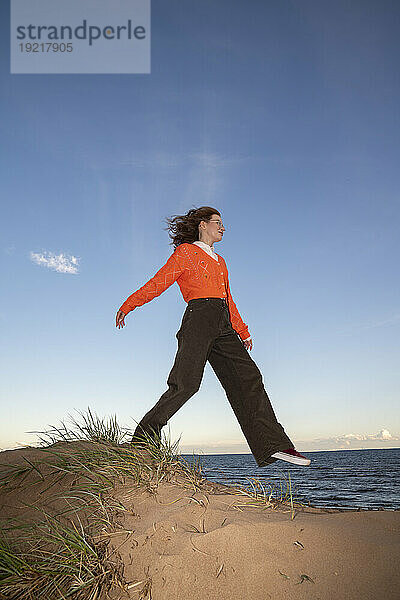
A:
[198,276]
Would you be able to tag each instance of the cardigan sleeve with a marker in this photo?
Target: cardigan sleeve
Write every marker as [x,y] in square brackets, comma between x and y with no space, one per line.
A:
[164,277]
[238,325]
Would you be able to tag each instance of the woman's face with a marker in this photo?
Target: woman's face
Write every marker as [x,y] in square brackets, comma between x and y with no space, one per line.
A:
[214,229]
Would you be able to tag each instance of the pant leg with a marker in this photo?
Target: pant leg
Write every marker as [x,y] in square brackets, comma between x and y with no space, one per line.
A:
[243,385]
[195,337]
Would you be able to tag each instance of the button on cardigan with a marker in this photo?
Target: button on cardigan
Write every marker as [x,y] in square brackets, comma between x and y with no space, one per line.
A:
[198,276]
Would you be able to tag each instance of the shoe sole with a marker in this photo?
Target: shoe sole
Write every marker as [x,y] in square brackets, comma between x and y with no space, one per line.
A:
[292,459]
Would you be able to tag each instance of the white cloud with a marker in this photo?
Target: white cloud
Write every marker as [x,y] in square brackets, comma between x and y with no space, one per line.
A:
[205,160]
[205,172]
[62,263]
[157,160]
[383,434]
[347,441]
[214,161]
[390,320]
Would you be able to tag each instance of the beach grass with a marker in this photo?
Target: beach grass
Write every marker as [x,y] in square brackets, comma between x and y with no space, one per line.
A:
[91,428]
[55,559]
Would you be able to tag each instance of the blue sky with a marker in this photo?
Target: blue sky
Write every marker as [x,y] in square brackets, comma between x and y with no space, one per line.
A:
[282,115]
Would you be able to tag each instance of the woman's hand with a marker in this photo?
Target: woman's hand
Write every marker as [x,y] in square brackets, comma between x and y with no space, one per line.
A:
[248,344]
[119,321]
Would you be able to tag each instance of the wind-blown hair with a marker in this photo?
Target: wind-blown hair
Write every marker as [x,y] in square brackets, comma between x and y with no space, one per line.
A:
[185,228]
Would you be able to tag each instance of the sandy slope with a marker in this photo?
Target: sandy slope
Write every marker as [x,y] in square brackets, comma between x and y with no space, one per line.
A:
[208,545]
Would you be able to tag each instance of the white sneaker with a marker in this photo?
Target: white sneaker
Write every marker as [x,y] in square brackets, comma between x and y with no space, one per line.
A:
[291,455]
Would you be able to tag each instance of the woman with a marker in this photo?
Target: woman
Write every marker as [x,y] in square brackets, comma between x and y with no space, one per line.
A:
[211,329]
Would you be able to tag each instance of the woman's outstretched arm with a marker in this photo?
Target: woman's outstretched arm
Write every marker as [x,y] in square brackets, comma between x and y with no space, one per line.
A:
[155,286]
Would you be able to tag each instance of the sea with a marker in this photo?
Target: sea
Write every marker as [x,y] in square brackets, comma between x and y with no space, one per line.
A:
[344,479]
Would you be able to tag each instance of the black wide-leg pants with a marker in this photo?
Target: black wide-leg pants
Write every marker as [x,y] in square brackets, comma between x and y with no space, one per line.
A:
[206,333]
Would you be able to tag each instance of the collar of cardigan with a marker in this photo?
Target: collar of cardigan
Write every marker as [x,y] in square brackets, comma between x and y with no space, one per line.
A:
[198,242]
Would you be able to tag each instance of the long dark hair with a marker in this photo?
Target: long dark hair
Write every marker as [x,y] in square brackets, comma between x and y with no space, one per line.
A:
[185,228]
